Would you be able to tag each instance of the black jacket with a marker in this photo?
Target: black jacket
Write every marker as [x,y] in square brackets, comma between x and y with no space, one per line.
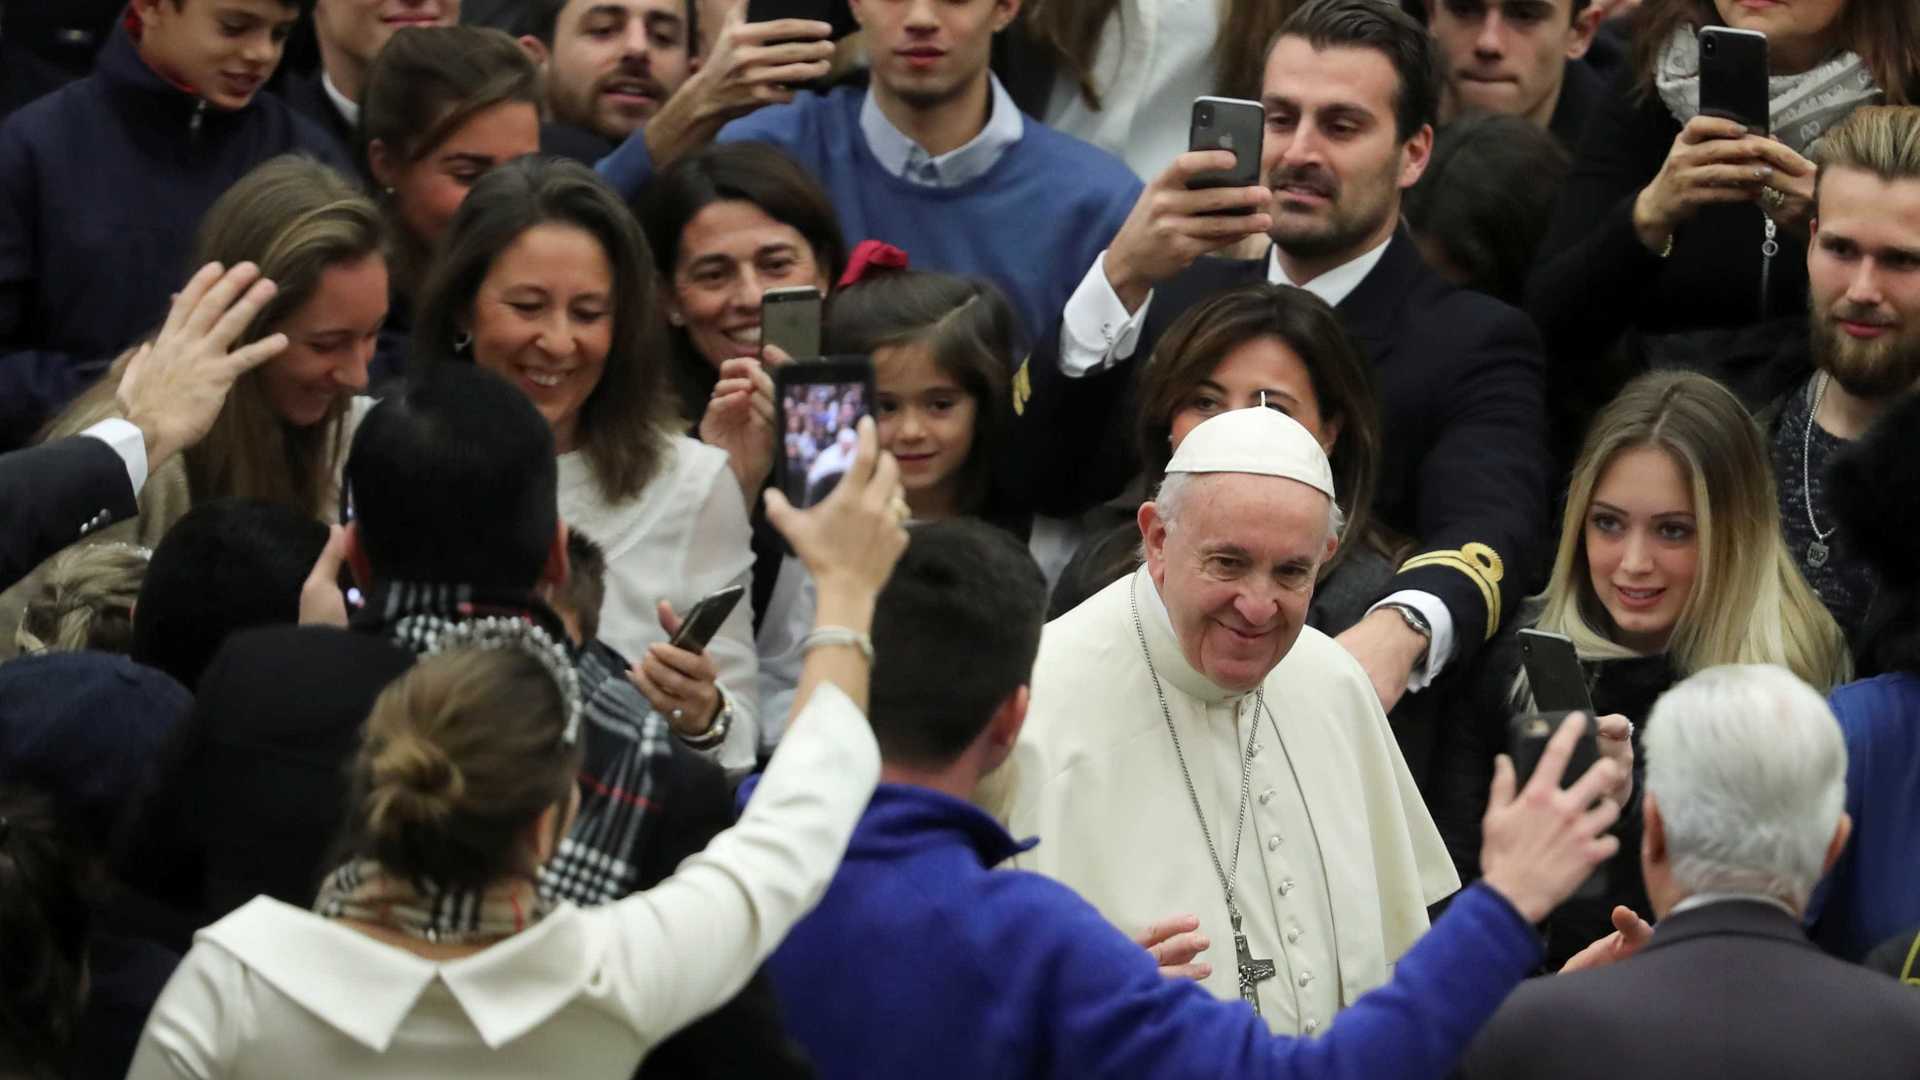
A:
[252,797]
[102,186]
[1464,467]
[1595,282]
[1475,710]
[1581,89]
[54,494]
[1728,990]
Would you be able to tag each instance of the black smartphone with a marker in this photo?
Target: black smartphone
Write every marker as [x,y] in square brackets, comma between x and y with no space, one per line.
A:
[1733,76]
[818,406]
[1228,124]
[704,620]
[837,13]
[790,318]
[1527,737]
[1554,672]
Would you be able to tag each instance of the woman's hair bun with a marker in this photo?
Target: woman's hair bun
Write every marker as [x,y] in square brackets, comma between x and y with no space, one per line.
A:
[413,783]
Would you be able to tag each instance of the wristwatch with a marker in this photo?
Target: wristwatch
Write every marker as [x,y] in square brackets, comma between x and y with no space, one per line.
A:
[716,732]
[1417,623]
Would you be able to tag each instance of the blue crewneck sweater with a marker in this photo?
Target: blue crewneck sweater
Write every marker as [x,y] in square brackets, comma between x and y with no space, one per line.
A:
[1032,224]
[1873,892]
[923,961]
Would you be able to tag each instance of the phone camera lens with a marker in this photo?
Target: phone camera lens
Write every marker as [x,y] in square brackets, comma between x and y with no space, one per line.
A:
[1709,46]
[1205,114]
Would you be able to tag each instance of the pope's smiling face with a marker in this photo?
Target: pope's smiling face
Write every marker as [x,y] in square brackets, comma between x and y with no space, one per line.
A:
[1235,562]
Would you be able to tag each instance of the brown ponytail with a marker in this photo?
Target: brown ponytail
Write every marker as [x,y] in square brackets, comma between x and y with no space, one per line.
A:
[459,756]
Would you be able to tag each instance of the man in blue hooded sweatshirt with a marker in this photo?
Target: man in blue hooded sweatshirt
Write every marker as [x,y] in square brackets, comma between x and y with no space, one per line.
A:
[104,181]
[923,961]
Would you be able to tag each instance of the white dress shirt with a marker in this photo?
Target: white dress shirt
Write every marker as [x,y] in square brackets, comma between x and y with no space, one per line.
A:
[905,158]
[272,990]
[129,443]
[349,108]
[685,535]
[1097,332]
[1153,58]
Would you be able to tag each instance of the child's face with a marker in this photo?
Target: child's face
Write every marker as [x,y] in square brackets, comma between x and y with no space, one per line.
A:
[224,49]
[926,421]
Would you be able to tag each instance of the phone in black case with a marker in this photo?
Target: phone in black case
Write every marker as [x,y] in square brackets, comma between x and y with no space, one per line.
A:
[817,406]
[1733,76]
[705,619]
[1554,672]
[1234,125]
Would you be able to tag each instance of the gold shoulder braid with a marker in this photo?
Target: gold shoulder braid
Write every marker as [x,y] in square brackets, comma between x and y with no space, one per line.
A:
[1482,566]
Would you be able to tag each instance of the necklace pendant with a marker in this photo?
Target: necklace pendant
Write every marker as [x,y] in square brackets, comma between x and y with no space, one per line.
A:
[1817,554]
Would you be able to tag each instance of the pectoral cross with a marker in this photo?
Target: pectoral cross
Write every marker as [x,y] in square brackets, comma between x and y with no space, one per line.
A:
[1252,972]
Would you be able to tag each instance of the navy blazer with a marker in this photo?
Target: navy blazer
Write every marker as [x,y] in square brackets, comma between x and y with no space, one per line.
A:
[54,494]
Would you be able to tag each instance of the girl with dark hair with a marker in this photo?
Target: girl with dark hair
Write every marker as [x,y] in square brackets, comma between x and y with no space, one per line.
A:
[430,952]
[942,349]
[1682,237]
[545,279]
[1481,208]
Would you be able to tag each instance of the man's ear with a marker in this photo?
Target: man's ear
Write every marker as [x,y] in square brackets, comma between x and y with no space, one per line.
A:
[1653,832]
[556,570]
[357,562]
[1839,842]
[1153,538]
[1004,12]
[1003,731]
[1580,39]
[1416,152]
[535,49]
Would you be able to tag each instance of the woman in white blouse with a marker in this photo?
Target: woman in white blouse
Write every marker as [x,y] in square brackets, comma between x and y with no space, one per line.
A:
[545,278]
[431,954]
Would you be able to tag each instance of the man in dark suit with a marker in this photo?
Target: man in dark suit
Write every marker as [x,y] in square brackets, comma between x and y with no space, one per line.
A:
[57,493]
[1350,93]
[1745,778]
[349,34]
[452,486]
[1522,58]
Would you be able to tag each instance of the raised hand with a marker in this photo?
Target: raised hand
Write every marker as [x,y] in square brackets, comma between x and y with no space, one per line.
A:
[1538,846]
[1175,943]
[173,388]
[851,539]
[751,65]
[740,420]
[681,685]
[1715,160]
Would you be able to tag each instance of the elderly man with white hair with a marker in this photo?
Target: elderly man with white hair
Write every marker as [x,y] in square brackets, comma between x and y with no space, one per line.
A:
[1195,749]
[1745,779]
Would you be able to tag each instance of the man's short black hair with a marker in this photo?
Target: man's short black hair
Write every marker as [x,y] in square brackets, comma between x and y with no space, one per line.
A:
[453,481]
[543,19]
[228,565]
[1385,28]
[586,587]
[955,633]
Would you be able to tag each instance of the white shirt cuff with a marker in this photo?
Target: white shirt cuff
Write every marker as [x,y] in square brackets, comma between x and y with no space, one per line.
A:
[1096,332]
[127,441]
[1439,646]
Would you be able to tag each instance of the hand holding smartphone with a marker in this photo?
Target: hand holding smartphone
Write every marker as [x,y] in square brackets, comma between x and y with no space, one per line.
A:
[817,407]
[706,618]
[1554,673]
[1528,735]
[1733,77]
[1234,125]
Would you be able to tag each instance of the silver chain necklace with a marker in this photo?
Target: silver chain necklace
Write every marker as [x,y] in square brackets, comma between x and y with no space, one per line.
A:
[1817,550]
[1251,971]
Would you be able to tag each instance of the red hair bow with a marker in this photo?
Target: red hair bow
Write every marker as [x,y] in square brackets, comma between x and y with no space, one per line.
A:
[870,256]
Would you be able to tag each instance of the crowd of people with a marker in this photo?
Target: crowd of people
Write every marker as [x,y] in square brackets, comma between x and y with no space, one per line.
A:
[1146,667]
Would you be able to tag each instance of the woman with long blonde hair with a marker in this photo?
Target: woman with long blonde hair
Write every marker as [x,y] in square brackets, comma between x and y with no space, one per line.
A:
[1670,561]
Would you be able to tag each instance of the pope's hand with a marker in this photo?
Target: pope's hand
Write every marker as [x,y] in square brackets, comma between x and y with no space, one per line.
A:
[1174,943]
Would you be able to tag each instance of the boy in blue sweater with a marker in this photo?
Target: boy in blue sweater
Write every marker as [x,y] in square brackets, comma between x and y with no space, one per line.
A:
[932,156]
[104,181]
[924,961]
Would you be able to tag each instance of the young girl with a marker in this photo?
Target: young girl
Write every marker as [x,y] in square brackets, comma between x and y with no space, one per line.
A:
[943,350]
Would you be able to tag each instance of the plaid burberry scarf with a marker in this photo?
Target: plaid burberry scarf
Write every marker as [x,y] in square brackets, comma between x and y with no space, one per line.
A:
[363,890]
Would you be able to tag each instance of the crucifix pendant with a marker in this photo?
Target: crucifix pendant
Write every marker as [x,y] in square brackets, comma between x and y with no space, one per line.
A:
[1252,972]
[1816,554]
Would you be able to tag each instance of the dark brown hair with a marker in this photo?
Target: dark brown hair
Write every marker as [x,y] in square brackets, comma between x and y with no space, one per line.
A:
[425,83]
[1071,30]
[1342,382]
[749,172]
[1387,30]
[968,328]
[459,756]
[625,422]
[1886,34]
[585,589]
[47,896]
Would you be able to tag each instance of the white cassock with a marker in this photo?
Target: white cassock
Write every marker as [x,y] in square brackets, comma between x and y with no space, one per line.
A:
[1338,860]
